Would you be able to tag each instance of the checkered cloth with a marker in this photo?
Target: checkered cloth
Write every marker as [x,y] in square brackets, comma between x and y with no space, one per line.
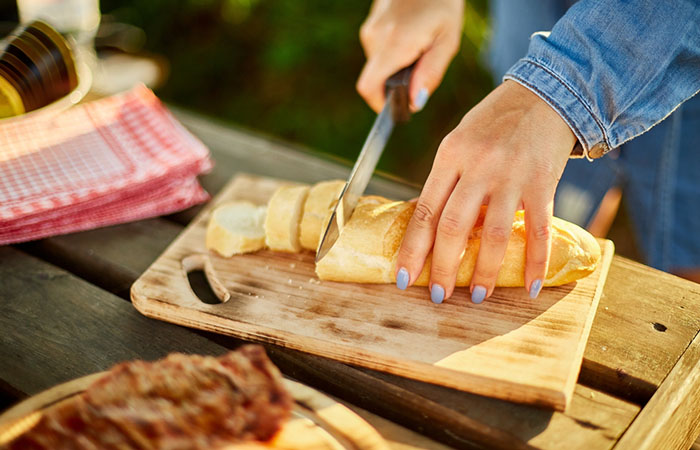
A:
[114,160]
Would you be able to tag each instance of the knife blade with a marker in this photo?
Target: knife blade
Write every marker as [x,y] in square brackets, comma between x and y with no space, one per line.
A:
[396,109]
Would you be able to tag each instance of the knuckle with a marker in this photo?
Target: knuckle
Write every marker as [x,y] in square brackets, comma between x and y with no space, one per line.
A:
[485,274]
[441,272]
[366,33]
[408,252]
[423,216]
[541,233]
[495,234]
[449,143]
[537,262]
[363,87]
[450,226]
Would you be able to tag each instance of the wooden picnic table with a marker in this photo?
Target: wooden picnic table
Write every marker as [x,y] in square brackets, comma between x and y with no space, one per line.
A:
[66,313]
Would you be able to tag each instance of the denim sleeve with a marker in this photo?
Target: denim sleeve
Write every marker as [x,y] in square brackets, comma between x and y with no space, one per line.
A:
[613,69]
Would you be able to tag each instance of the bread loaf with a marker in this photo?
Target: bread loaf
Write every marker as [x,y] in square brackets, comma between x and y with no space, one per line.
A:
[368,245]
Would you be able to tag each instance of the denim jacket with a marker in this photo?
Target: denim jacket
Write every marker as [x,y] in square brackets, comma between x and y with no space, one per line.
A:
[615,68]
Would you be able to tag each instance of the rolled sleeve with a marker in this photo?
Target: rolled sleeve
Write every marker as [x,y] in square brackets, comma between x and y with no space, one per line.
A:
[613,69]
[553,89]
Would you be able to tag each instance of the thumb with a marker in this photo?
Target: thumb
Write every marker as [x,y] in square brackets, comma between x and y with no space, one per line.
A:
[431,68]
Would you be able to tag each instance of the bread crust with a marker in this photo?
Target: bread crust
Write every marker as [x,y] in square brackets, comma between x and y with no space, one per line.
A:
[367,248]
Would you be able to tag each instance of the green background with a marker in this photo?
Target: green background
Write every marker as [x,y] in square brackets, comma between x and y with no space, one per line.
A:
[288,68]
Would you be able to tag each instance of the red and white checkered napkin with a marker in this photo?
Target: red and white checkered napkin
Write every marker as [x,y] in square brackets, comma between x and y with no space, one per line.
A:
[110,161]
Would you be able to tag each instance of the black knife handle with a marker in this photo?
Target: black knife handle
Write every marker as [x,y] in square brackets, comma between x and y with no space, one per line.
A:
[401,100]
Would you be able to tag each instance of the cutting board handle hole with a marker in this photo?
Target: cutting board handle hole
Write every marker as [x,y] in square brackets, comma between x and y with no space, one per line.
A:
[203,280]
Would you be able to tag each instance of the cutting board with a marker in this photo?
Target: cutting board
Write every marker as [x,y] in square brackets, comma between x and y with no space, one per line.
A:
[509,347]
[317,422]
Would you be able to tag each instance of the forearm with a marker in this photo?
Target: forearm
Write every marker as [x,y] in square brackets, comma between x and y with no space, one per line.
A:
[613,69]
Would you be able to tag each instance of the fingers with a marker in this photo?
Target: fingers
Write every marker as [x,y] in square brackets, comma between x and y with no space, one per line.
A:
[382,64]
[456,221]
[431,68]
[538,226]
[495,234]
[420,232]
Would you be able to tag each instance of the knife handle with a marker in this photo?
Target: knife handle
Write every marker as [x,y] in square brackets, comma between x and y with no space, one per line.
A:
[401,100]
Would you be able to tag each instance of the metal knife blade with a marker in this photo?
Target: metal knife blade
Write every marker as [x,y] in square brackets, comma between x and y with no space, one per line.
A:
[359,177]
[395,109]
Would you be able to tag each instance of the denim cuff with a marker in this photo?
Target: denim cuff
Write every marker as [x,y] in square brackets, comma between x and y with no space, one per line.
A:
[553,89]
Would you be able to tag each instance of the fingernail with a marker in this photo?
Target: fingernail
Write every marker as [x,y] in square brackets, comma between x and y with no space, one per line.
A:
[402,279]
[421,99]
[437,293]
[478,294]
[535,288]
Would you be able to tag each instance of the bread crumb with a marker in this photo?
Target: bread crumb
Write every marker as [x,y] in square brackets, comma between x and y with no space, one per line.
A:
[267,267]
[289,281]
[604,348]
[292,265]
[300,287]
[314,281]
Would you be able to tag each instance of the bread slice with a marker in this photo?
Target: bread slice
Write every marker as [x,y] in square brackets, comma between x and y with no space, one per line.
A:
[283,218]
[321,199]
[235,228]
[368,245]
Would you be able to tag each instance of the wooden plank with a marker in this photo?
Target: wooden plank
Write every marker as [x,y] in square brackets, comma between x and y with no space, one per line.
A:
[509,347]
[645,321]
[57,327]
[671,419]
[636,298]
[111,257]
[594,420]
[614,361]
[591,425]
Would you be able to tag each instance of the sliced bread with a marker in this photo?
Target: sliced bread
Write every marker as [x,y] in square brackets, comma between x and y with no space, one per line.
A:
[320,200]
[284,215]
[235,228]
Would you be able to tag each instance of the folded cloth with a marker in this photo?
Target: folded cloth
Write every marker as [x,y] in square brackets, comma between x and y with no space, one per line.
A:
[110,161]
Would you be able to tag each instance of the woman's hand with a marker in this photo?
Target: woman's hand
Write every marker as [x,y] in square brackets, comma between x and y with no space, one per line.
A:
[399,32]
[509,150]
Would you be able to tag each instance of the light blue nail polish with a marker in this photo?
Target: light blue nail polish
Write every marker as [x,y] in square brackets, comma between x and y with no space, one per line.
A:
[421,99]
[535,288]
[478,294]
[437,293]
[402,279]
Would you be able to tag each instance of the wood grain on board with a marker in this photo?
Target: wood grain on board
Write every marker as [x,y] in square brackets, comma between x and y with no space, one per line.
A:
[510,347]
[671,419]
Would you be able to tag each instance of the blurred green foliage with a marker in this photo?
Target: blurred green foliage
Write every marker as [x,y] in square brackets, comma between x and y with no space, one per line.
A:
[288,68]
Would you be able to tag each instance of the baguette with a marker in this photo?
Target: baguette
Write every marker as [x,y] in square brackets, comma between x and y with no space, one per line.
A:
[368,245]
[321,199]
[236,228]
[282,227]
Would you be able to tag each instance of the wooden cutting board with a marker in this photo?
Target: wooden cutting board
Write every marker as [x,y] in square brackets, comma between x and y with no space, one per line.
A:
[317,422]
[509,347]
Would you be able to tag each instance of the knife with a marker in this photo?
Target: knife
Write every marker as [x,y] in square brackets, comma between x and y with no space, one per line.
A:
[396,109]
